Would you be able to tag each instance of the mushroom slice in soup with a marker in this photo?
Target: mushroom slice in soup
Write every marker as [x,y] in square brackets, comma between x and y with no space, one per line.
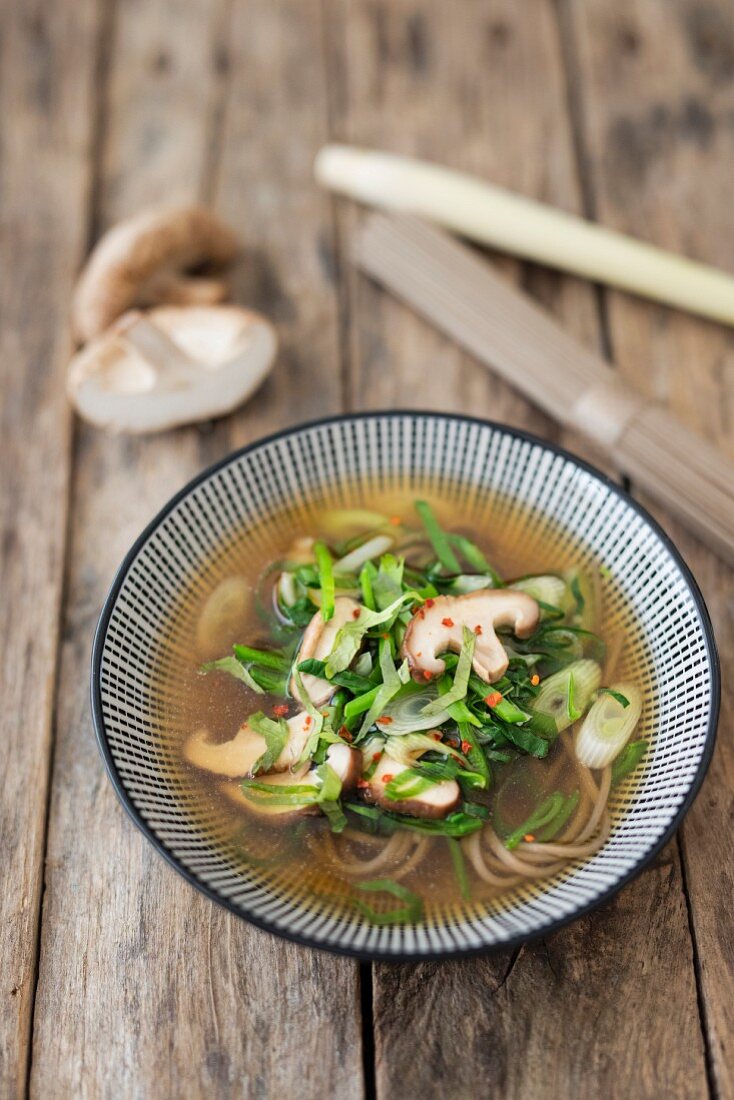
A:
[318,642]
[438,627]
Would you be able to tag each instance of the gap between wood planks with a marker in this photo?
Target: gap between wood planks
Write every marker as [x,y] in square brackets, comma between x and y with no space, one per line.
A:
[102,51]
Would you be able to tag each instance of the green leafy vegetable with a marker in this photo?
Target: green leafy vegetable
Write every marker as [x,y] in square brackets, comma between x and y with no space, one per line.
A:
[326,579]
[235,668]
[274,732]
[459,864]
[410,912]
[461,677]
[349,637]
[543,815]
[349,680]
[628,759]
[438,538]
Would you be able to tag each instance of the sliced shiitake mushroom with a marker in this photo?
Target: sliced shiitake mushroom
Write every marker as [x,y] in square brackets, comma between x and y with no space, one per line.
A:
[170,366]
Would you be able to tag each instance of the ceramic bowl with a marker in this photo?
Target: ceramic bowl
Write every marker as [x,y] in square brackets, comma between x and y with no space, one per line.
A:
[550,495]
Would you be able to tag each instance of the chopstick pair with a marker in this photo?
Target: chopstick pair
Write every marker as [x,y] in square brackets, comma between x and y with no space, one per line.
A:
[462,296]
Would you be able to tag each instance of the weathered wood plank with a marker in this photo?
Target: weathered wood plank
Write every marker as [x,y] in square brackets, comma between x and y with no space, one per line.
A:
[481,87]
[147,989]
[658,89]
[46,61]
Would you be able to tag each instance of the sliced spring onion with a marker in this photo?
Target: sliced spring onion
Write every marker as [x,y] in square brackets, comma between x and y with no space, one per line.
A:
[463,583]
[274,732]
[352,681]
[235,668]
[628,759]
[326,579]
[353,561]
[608,726]
[270,658]
[586,594]
[367,575]
[339,521]
[438,537]
[392,680]
[406,712]
[287,591]
[407,749]
[547,589]
[475,753]
[410,913]
[388,584]
[554,826]
[349,638]
[568,692]
[546,812]
[476,559]
[461,678]
[459,864]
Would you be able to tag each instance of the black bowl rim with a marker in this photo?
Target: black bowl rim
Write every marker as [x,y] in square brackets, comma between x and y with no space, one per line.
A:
[387,956]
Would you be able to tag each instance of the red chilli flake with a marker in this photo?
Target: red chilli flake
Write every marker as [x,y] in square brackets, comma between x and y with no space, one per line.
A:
[395,521]
[385,721]
[493,699]
[529,838]
[465,746]
[478,629]
[281,710]
[356,613]
[387,777]
[362,784]
[307,721]
[429,603]
[535,680]
[376,755]
[426,674]
[447,622]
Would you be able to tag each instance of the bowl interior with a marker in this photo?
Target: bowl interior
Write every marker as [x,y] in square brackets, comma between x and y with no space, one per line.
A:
[259,494]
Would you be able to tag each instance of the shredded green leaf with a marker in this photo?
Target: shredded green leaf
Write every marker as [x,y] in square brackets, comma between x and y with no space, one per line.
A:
[235,668]
[438,538]
[628,760]
[326,579]
[275,732]
[461,677]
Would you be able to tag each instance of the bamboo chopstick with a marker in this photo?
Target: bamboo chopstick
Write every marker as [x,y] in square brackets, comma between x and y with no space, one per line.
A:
[462,296]
[512,223]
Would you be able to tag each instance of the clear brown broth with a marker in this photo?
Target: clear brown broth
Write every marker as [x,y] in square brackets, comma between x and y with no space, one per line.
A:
[294,857]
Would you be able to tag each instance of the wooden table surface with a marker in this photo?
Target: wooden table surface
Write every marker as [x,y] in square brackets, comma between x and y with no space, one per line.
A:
[119,980]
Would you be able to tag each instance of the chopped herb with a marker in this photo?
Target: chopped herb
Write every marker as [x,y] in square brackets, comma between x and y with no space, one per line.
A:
[235,668]
[628,759]
[274,732]
[326,579]
[438,538]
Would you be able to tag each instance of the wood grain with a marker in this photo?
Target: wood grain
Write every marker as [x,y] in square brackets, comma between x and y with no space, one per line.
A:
[481,88]
[658,89]
[146,988]
[46,66]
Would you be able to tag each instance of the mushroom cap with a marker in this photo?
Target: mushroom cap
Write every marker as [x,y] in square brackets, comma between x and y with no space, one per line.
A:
[141,260]
[237,757]
[318,641]
[439,628]
[435,802]
[171,366]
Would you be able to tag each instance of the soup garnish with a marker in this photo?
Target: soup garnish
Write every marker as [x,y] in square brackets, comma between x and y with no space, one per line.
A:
[411,697]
